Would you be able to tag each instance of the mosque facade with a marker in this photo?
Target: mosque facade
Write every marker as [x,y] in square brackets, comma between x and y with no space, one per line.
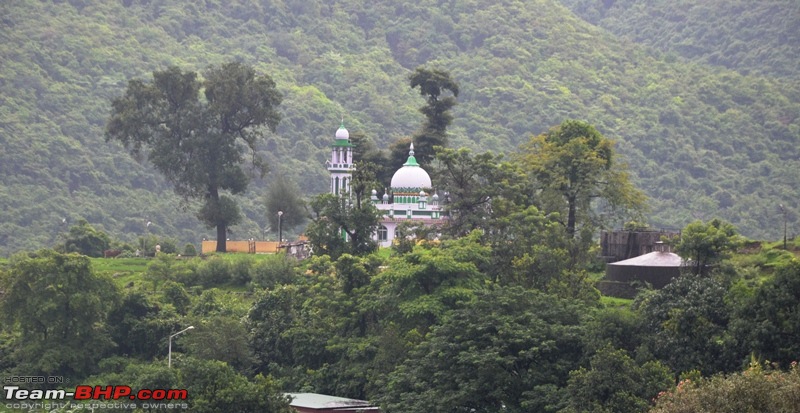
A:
[408,199]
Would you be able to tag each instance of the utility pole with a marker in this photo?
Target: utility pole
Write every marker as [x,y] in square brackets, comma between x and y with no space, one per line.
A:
[783,211]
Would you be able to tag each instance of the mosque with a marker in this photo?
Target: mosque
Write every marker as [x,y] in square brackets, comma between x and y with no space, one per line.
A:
[406,200]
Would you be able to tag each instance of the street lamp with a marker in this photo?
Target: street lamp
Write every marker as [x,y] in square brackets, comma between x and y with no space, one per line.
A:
[169,354]
[280,229]
[783,211]
[144,237]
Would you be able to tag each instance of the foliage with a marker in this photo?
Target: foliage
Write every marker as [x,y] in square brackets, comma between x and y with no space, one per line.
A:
[685,325]
[221,338]
[759,389]
[432,84]
[702,245]
[618,328]
[85,239]
[615,383]
[284,195]
[509,349]
[215,386]
[189,250]
[475,187]
[140,327]
[165,267]
[419,288]
[573,165]
[767,322]
[273,271]
[59,306]
[681,29]
[198,144]
[338,226]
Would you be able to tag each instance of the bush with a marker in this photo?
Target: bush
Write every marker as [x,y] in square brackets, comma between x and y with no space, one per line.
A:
[189,250]
[756,390]
[275,270]
[214,272]
[240,270]
[168,246]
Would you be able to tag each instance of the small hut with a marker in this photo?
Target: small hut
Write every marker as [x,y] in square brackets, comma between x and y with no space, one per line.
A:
[623,244]
[656,268]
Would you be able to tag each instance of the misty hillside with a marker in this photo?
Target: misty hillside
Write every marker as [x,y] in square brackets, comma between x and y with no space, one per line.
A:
[758,37]
[701,140]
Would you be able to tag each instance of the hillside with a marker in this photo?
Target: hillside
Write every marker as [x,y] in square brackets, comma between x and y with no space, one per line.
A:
[701,140]
[760,37]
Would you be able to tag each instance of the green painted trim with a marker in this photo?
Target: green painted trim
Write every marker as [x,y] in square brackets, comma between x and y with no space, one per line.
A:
[343,143]
[412,161]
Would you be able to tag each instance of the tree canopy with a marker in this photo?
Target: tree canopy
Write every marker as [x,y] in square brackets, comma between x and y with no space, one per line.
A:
[702,244]
[440,92]
[574,164]
[60,306]
[198,143]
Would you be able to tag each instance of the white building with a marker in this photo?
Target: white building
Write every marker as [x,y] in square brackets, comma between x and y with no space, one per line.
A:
[407,199]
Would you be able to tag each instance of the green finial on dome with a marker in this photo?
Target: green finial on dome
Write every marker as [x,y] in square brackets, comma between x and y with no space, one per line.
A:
[412,161]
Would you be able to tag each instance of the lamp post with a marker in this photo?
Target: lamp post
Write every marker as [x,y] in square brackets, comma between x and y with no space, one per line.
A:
[169,354]
[783,211]
[280,229]
[144,237]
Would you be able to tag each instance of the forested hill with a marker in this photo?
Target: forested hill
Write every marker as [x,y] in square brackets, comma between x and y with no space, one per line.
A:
[701,141]
[761,37]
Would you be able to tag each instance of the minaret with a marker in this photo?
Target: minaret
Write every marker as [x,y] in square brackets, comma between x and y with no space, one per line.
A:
[341,163]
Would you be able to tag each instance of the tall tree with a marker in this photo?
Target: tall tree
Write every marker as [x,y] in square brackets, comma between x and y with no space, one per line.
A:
[345,223]
[479,188]
[199,143]
[434,85]
[365,150]
[339,226]
[574,165]
[283,195]
[702,244]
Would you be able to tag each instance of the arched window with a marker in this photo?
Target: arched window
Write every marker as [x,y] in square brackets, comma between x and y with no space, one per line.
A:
[383,233]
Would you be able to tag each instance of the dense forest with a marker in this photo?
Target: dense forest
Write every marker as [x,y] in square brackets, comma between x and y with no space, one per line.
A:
[707,129]
[503,319]
[759,38]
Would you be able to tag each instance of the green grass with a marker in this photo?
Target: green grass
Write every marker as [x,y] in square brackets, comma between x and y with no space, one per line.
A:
[614,302]
[122,270]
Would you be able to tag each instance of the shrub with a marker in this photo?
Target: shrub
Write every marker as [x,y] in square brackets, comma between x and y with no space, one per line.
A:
[189,250]
[759,389]
[213,272]
[274,270]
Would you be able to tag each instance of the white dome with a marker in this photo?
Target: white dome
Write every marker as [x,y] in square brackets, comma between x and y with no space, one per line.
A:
[411,176]
[342,133]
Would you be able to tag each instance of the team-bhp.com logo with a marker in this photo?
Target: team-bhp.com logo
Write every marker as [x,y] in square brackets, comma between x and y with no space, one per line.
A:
[123,397]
